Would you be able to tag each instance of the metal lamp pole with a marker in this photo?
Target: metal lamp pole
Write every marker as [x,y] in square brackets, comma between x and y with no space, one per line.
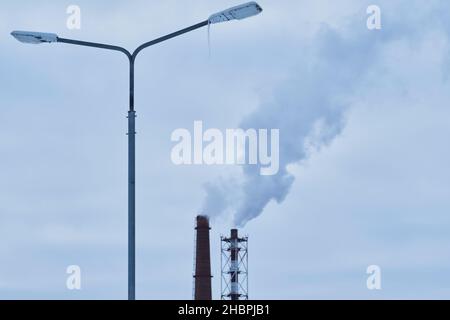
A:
[132,143]
[235,13]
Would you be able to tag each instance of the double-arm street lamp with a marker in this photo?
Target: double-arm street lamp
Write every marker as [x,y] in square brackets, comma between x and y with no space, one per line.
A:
[236,13]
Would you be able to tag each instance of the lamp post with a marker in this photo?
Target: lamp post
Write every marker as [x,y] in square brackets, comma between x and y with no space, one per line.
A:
[236,13]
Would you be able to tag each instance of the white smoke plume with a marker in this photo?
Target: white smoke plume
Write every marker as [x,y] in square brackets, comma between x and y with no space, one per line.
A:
[308,109]
[308,106]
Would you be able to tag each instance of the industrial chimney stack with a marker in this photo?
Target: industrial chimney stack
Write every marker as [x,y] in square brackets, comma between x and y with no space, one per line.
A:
[202,277]
[234,261]
[234,265]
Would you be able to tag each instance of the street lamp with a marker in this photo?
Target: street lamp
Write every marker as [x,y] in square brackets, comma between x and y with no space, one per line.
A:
[34,37]
[236,13]
[240,12]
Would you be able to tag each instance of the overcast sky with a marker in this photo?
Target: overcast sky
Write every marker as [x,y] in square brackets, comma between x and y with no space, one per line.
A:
[375,191]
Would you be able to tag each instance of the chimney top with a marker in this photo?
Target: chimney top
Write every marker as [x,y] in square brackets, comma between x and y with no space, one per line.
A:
[202,222]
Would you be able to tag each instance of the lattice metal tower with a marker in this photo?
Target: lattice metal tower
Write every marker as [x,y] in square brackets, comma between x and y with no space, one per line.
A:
[234,266]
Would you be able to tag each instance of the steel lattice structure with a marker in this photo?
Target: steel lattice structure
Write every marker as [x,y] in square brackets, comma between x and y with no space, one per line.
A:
[234,267]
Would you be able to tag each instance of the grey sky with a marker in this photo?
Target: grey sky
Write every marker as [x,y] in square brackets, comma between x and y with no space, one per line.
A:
[378,193]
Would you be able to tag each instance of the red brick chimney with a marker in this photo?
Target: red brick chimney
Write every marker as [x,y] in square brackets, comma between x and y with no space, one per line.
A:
[202,277]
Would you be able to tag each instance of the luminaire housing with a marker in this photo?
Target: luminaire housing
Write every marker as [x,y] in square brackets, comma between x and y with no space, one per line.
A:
[240,12]
[34,37]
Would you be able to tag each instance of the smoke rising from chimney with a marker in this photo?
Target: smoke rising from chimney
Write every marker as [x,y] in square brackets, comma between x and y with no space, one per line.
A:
[308,109]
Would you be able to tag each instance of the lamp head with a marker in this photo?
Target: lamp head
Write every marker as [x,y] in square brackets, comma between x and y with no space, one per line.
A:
[34,37]
[240,12]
